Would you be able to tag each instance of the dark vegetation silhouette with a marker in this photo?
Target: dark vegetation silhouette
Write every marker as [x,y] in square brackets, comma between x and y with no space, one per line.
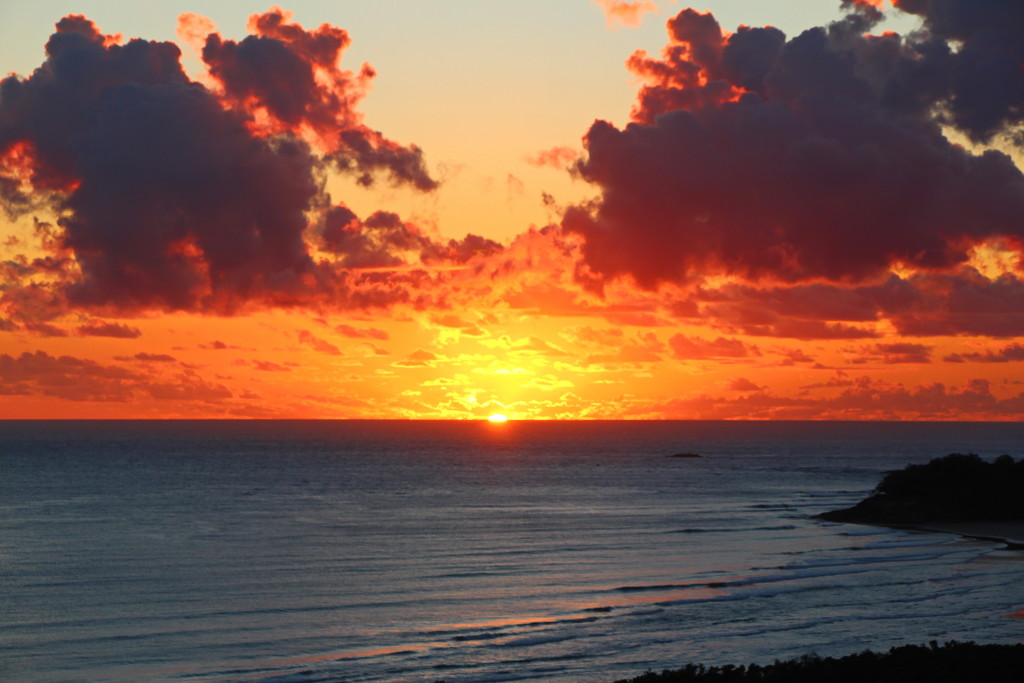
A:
[955,488]
[953,662]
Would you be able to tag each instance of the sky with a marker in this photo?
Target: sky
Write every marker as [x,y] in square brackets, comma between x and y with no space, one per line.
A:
[590,209]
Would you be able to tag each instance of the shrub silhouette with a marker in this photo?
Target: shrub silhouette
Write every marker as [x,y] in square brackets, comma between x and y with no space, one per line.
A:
[954,662]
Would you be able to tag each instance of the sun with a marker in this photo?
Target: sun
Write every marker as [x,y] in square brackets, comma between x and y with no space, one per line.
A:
[497,417]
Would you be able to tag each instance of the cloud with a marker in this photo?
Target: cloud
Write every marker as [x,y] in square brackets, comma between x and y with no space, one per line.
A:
[626,13]
[189,388]
[419,358]
[818,158]
[100,328]
[384,240]
[193,28]
[455,322]
[863,399]
[66,377]
[839,379]
[291,76]
[269,366]
[178,196]
[625,354]
[1010,353]
[548,383]
[744,384]
[896,352]
[794,356]
[79,379]
[317,344]
[525,346]
[149,358]
[981,81]
[959,302]
[963,302]
[217,345]
[692,348]
[43,329]
[168,198]
[615,346]
[555,157]
[361,333]
[372,244]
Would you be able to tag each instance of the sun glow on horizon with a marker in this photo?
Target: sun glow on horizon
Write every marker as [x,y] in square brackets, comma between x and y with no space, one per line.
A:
[497,417]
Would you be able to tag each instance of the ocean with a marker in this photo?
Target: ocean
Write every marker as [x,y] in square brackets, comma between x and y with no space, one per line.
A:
[298,551]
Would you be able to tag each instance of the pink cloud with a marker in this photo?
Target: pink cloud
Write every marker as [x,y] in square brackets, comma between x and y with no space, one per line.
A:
[626,13]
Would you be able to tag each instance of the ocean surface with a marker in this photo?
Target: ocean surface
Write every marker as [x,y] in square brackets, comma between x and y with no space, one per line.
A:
[420,551]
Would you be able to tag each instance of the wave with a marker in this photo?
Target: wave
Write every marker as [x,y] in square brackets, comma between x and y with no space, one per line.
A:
[732,530]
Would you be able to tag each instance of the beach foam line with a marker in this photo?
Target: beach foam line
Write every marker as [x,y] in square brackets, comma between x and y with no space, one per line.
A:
[1010,533]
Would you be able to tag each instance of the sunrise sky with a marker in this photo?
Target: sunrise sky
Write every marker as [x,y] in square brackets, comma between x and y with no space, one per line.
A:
[757,209]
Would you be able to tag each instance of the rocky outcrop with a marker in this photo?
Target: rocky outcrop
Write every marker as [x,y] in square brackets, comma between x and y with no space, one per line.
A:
[955,488]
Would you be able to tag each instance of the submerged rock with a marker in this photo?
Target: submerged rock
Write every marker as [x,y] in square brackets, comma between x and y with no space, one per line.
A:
[686,455]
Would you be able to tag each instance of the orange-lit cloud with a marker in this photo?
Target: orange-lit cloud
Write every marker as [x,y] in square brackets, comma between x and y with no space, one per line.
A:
[361,333]
[863,400]
[1007,354]
[193,29]
[100,328]
[318,344]
[555,157]
[896,352]
[687,348]
[625,12]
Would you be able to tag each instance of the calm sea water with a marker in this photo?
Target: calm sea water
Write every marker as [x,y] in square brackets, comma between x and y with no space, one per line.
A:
[418,551]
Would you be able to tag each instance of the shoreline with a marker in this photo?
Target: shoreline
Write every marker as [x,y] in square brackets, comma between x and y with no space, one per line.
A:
[957,494]
[1010,533]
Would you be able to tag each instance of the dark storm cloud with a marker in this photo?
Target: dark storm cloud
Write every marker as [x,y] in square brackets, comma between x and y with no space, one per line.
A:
[293,75]
[983,77]
[173,196]
[168,198]
[821,157]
